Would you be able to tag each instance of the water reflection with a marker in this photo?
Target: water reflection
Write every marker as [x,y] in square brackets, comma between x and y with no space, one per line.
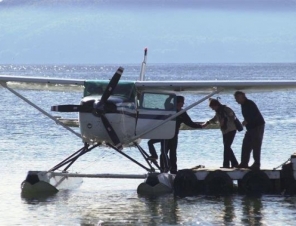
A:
[252,211]
[161,209]
[128,208]
[229,213]
[36,198]
[230,210]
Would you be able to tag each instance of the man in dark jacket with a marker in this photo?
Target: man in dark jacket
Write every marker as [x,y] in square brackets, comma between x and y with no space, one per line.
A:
[171,144]
[168,105]
[254,123]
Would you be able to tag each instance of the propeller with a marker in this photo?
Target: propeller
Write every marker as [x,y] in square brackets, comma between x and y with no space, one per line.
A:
[98,108]
[110,87]
[72,108]
[111,132]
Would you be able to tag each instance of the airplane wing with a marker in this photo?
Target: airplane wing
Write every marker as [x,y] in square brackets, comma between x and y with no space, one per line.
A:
[41,83]
[26,79]
[209,85]
[194,85]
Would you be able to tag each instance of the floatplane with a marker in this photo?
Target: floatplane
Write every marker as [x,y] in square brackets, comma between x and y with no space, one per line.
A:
[120,114]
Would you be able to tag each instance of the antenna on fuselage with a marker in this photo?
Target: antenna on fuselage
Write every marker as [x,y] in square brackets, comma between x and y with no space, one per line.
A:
[143,68]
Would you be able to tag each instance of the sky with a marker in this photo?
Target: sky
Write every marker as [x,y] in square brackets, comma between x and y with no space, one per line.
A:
[174,31]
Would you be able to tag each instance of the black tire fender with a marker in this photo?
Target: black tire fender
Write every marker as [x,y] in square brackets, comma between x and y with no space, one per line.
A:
[218,183]
[185,183]
[256,183]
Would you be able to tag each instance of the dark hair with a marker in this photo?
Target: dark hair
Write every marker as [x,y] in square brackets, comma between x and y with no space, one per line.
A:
[214,102]
[239,93]
[180,99]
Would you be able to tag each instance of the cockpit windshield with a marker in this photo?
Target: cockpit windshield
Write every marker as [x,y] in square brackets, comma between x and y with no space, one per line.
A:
[123,89]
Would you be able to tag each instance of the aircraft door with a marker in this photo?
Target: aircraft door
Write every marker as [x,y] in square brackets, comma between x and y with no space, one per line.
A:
[154,108]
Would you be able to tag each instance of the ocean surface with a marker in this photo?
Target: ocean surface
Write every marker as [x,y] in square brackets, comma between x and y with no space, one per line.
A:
[30,141]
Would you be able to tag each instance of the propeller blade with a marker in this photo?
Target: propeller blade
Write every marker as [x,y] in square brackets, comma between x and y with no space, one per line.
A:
[71,108]
[111,132]
[111,86]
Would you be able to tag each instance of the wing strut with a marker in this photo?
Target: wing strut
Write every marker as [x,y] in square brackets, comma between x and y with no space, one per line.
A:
[143,68]
[39,109]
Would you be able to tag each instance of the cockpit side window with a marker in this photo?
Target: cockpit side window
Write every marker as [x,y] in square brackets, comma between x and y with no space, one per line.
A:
[158,101]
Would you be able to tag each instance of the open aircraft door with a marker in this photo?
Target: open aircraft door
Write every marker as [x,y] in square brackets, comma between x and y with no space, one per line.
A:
[154,108]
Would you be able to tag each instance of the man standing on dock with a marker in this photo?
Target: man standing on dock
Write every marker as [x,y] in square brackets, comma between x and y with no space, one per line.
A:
[171,144]
[254,123]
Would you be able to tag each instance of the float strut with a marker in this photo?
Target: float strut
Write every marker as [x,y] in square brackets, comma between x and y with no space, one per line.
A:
[72,158]
[130,158]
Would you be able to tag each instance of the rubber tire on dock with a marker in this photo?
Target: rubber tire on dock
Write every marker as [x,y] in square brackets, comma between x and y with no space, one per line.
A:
[291,190]
[186,183]
[218,183]
[256,182]
[288,183]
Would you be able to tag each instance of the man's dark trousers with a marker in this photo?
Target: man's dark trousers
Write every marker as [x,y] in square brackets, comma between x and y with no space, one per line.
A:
[252,141]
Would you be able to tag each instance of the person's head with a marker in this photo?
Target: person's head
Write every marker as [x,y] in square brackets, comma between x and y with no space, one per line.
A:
[240,97]
[180,102]
[214,104]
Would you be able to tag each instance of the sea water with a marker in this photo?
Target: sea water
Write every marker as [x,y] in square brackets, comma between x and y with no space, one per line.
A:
[31,141]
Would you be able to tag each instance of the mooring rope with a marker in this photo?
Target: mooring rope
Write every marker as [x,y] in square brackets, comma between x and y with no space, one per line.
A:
[282,164]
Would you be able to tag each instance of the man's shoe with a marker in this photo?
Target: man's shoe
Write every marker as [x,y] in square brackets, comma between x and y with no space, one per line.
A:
[241,166]
[254,167]
[152,158]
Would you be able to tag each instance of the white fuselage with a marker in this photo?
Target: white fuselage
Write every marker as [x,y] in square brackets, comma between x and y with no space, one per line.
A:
[128,121]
